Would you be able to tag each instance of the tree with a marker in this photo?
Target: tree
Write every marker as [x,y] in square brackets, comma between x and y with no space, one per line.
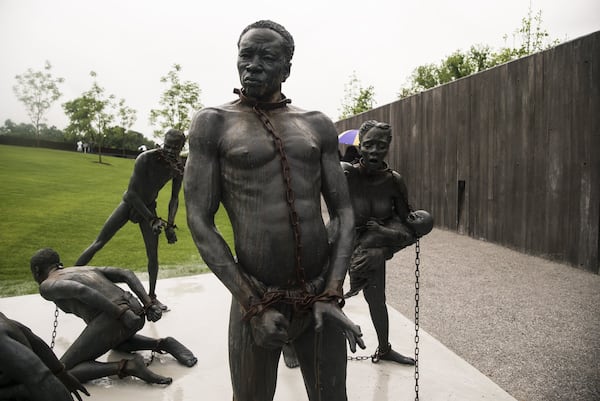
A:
[356,98]
[21,130]
[91,115]
[179,101]
[37,90]
[28,131]
[529,38]
[127,117]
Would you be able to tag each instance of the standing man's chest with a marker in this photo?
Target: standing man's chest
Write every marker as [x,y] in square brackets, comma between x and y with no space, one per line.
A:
[248,144]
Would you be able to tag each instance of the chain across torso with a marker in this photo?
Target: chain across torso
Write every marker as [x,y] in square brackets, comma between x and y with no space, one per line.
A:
[257,193]
[289,195]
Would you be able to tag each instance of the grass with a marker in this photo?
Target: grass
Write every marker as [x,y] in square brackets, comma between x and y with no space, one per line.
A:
[60,199]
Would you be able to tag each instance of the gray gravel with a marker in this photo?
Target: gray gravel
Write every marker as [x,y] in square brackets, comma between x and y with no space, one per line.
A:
[529,324]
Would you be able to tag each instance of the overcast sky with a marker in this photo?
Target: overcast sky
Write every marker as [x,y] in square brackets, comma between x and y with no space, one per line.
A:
[130,44]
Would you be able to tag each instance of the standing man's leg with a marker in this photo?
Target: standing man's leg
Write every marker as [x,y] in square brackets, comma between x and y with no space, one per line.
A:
[323,359]
[115,221]
[151,243]
[253,368]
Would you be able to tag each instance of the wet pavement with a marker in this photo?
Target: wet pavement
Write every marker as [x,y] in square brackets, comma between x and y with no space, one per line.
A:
[198,318]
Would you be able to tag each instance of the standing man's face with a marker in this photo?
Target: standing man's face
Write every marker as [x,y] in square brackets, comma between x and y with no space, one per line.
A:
[172,146]
[261,63]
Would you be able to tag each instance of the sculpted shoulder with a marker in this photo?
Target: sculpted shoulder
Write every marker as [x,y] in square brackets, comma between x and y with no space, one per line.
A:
[315,116]
[320,123]
[206,123]
[397,177]
[399,184]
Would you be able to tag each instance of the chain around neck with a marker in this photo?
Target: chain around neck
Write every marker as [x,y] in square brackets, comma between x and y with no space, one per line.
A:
[261,105]
[175,164]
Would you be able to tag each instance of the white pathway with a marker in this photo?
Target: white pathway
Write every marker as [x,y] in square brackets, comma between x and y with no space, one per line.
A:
[198,318]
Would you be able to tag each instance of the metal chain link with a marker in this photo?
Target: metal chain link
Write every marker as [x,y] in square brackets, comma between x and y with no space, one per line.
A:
[54,328]
[290,197]
[372,357]
[360,357]
[417,274]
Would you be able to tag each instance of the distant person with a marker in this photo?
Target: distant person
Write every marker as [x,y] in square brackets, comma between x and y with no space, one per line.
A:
[269,162]
[381,211]
[113,316]
[29,369]
[85,147]
[79,146]
[151,172]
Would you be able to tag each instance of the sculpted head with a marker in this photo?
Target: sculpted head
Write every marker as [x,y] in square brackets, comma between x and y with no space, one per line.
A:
[42,262]
[374,143]
[174,141]
[265,51]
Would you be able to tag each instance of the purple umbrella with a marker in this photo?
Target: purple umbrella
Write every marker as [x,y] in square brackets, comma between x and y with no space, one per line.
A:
[349,137]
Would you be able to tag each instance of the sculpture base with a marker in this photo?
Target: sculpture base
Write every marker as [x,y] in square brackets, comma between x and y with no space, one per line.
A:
[199,318]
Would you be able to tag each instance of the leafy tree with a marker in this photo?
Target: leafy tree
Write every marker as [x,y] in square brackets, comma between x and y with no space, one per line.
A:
[29,131]
[357,99]
[178,102]
[134,139]
[37,90]
[530,38]
[91,115]
[127,117]
[52,133]
[22,130]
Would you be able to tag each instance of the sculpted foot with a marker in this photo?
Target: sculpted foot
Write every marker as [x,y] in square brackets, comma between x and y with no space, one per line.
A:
[289,357]
[178,350]
[156,302]
[393,356]
[137,368]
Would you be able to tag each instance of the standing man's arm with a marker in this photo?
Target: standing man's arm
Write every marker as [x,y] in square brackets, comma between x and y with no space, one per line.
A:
[173,207]
[174,202]
[202,190]
[335,192]
[131,196]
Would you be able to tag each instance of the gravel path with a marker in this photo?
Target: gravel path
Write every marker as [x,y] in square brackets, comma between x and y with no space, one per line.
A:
[530,325]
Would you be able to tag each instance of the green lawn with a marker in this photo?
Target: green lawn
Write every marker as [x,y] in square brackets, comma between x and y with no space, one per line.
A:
[61,199]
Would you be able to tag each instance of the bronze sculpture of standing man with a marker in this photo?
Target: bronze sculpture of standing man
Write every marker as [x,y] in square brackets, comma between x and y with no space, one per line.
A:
[152,171]
[268,163]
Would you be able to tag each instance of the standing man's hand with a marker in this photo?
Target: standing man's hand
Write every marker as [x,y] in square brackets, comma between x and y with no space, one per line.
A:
[157,225]
[269,329]
[323,310]
[170,234]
